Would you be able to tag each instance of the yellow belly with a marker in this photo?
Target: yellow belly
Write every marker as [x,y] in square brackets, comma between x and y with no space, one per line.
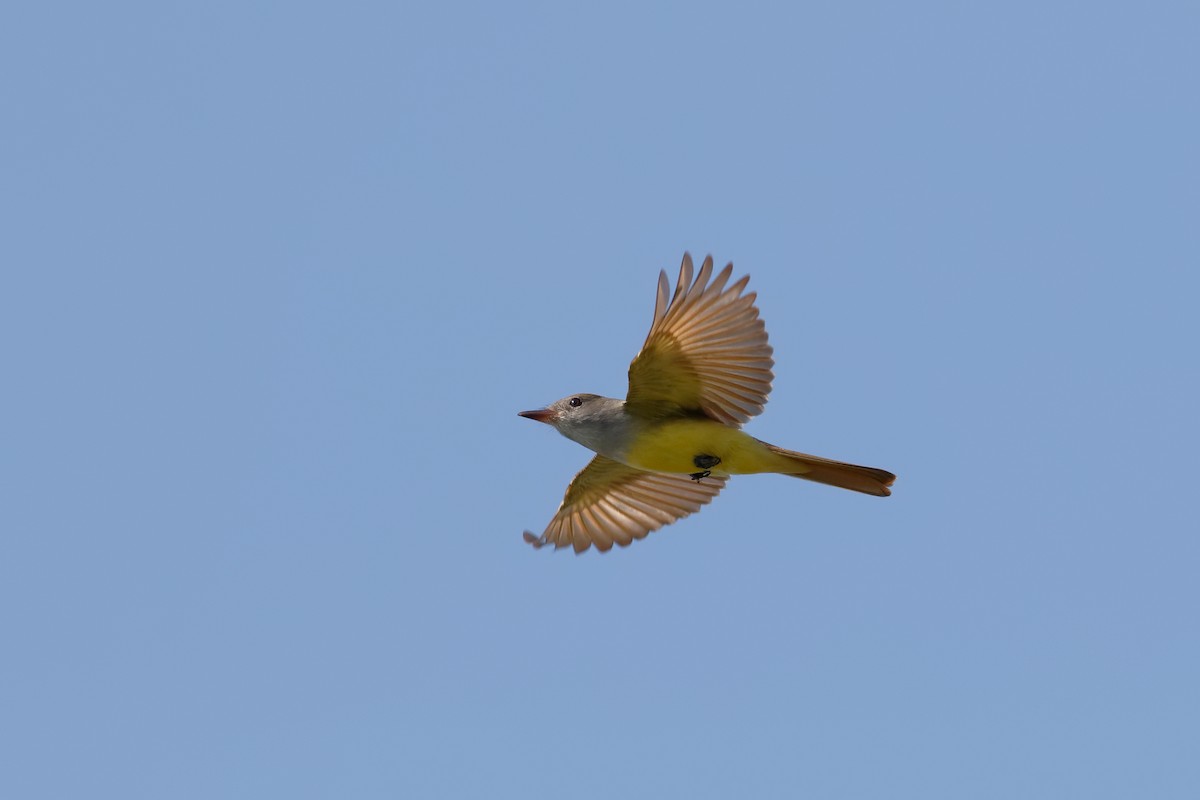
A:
[672,445]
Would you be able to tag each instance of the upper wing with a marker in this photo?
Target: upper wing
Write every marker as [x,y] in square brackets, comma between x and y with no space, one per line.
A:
[609,503]
[707,351]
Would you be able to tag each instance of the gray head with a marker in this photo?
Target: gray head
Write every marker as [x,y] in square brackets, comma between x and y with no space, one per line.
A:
[598,423]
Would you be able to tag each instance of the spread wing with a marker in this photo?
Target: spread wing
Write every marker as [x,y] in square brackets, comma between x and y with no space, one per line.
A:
[706,351]
[609,503]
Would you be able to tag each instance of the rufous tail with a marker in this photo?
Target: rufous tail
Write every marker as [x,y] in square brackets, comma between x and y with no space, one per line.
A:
[868,480]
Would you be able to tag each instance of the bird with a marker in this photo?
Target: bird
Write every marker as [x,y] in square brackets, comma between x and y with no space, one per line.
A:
[669,447]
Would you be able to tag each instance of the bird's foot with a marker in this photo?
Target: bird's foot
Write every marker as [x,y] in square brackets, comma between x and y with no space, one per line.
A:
[704,462]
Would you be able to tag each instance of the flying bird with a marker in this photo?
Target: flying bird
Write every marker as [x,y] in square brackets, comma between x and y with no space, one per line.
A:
[669,446]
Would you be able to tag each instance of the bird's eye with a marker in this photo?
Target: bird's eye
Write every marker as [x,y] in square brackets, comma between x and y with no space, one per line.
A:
[576,402]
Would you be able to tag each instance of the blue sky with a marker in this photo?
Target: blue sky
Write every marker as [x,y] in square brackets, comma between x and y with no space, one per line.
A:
[277,278]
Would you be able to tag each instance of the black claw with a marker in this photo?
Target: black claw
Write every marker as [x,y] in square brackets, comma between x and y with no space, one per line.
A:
[696,476]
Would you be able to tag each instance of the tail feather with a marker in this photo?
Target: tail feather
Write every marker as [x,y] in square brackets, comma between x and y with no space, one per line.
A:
[868,480]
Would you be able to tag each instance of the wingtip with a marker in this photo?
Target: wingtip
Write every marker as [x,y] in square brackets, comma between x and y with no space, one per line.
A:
[702,276]
[536,541]
[685,275]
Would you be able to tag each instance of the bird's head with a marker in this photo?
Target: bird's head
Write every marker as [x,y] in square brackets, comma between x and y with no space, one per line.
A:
[565,412]
[584,418]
